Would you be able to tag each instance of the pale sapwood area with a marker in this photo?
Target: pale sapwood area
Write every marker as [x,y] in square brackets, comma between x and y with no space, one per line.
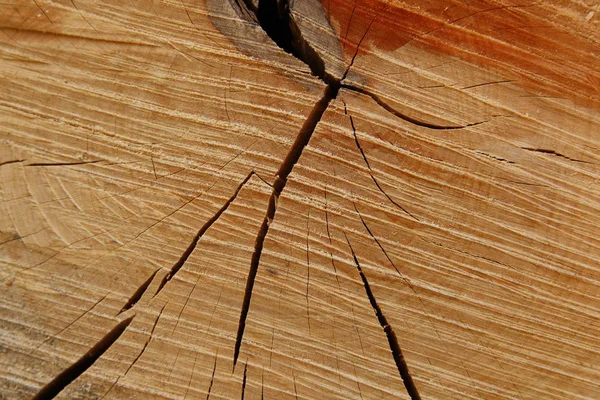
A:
[251,199]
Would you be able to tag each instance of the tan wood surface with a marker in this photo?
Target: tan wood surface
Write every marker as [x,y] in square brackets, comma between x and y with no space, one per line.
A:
[399,200]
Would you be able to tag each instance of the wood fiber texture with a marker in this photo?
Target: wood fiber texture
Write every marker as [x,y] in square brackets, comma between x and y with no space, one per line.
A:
[313,199]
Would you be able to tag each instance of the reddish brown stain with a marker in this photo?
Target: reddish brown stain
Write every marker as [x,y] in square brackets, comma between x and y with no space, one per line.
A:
[523,41]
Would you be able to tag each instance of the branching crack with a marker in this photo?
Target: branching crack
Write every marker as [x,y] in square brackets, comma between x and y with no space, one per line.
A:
[399,359]
[279,184]
[186,254]
[56,385]
[275,18]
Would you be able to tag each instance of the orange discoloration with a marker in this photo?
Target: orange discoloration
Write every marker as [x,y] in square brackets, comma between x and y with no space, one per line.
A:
[518,39]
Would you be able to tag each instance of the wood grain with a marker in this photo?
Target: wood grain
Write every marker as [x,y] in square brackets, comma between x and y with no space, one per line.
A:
[395,200]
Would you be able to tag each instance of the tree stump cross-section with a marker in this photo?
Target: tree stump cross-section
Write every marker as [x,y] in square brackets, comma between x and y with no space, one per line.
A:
[299,199]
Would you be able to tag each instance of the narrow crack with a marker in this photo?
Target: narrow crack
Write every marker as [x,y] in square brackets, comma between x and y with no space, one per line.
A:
[307,295]
[139,354]
[147,341]
[212,378]
[554,153]
[64,164]
[487,83]
[361,39]
[10,162]
[403,116]
[135,297]
[399,359]
[330,241]
[381,247]
[189,386]
[366,160]
[285,168]
[187,300]
[190,249]
[262,384]
[74,322]
[244,381]
[295,388]
[494,157]
[56,385]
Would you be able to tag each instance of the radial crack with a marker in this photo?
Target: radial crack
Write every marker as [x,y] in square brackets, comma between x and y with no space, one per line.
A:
[274,17]
[244,381]
[186,254]
[286,167]
[135,297]
[147,341]
[212,378]
[364,156]
[56,385]
[399,359]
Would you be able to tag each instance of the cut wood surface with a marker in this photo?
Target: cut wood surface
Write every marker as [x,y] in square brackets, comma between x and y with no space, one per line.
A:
[261,199]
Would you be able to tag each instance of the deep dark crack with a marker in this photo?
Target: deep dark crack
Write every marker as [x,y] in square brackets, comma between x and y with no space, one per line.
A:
[188,252]
[68,375]
[286,167]
[275,19]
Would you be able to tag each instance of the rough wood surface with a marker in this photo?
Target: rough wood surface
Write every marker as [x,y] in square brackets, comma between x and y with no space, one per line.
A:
[223,199]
